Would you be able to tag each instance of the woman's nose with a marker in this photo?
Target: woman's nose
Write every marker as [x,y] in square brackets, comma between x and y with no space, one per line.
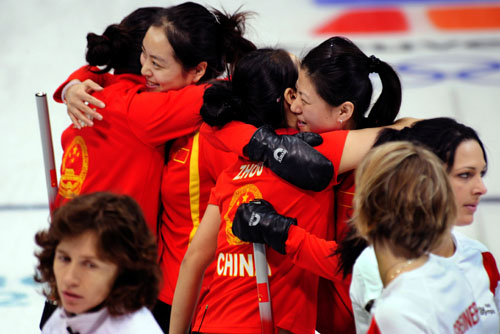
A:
[481,187]
[145,69]
[71,276]
[295,106]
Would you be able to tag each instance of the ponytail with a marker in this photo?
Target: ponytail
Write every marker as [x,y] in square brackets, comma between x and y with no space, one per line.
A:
[199,35]
[386,108]
[99,51]
[220,105]
[348,250]
[119,47]
[255,91]
[339,70]
[233,45]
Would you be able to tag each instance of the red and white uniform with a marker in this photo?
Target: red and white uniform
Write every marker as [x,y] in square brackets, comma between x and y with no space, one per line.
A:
[434,298]
[480,268]
[188,177]
[124,152]
[366,286]
[232,299]
[472,258]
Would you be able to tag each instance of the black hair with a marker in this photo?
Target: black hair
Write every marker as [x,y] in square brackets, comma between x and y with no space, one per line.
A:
[254,94]
[442,136]
[197,34]
[120,46]
[339,70]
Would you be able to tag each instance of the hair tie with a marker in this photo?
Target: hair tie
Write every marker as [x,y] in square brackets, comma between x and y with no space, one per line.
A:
[373,64]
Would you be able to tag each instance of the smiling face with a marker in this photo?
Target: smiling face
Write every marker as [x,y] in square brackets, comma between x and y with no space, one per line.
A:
[161,69]
[313,113]
[466,177]
[83,279]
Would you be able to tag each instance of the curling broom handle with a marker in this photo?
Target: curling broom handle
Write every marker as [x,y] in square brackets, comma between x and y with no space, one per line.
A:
[48,149]
[261,274]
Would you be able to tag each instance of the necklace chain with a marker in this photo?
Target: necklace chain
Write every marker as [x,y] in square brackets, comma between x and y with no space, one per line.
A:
[399,270]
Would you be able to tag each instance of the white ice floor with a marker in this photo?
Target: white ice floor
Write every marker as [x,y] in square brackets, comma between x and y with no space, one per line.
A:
[448,73]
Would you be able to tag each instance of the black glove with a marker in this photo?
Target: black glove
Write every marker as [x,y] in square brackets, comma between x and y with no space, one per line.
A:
[257,221]
[292,157]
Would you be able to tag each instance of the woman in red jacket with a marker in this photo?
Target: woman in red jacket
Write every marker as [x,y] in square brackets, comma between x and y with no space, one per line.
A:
[334,93]
[192,164]
[181,48]
[231,303]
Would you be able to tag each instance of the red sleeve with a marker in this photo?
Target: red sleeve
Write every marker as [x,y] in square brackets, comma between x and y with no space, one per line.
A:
[213,197]
[333,145]
[158,117]
[373,329]
[490,265]
[332,148]
[312,253]
[232,137]
[83,73]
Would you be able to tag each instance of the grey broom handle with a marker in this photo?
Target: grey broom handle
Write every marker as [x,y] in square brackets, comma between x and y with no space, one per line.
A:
[264,295]
[47,147]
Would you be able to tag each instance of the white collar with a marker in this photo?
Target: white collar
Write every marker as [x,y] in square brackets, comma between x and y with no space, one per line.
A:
[85,323]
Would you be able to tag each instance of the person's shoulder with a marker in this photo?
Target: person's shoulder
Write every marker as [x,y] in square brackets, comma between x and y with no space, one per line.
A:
[465,243]
[140,321]
[402,316]
[366,263]
[366,283]
[53,323]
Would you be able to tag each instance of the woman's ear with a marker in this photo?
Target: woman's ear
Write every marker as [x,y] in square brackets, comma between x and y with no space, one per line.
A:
[290,95]
[346,110]
[199,71]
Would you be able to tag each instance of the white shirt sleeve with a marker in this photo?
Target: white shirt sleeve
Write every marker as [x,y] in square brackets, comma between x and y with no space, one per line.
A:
[366,287]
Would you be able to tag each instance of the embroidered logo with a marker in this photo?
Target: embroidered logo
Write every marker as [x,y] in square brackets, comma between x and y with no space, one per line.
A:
[75,165]
[242,195]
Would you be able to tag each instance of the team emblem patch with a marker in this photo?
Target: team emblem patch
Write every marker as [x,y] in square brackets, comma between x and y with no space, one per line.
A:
[75,165]
[244,194]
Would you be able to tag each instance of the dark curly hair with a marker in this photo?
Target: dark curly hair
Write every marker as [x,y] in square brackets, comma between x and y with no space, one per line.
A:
[122,237]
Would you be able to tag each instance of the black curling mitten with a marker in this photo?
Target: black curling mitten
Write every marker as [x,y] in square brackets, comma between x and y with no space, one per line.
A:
[292,157]
[257,221]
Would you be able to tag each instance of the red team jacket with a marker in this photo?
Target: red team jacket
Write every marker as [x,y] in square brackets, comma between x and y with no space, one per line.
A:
[190,173]
[124,153]
[150,120]
[232,299]
[307,250]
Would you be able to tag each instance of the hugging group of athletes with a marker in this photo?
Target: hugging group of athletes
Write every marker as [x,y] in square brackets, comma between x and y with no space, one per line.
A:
[205,131]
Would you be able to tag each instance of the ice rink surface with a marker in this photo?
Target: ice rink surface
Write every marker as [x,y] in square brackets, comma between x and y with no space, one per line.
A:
[447,53]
